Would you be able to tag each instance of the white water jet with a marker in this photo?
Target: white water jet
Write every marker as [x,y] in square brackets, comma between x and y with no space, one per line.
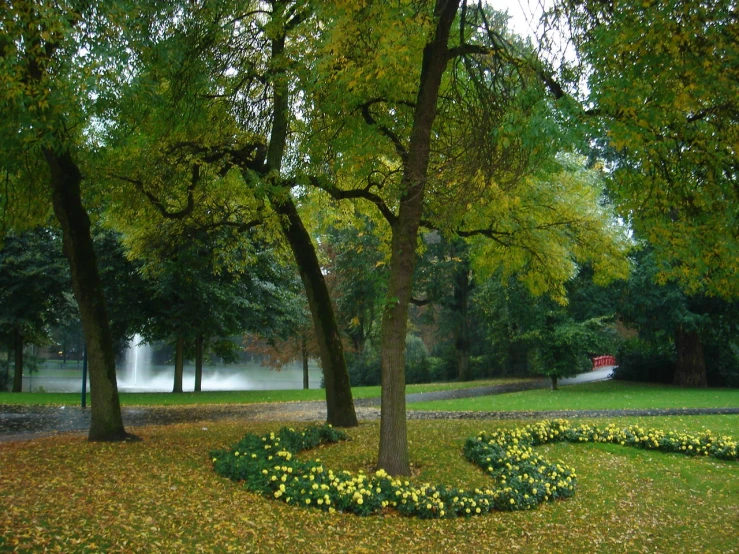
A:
[136,370]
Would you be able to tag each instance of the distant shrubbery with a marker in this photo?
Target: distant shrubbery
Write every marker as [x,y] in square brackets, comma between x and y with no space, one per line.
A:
[364,366]
[642,361]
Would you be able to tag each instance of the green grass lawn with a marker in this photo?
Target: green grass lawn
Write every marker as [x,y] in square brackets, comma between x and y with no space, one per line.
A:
[161,495]
[232,397]
[601,395]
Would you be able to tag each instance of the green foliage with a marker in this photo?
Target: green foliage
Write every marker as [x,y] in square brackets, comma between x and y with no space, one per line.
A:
[364,366]
[34,285]
[416,360]
[663,77]
[562,346]
[640,361]
[658,310]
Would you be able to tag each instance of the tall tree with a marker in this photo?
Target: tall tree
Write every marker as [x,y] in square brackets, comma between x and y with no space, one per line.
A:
[49,86]
[240,78]
[662,81]
[496,129]
[33,282]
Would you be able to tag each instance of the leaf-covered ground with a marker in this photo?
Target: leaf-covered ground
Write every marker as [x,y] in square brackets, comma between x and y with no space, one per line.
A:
[161,495]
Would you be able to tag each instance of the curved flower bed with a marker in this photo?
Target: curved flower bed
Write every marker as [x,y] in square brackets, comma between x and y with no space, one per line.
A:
[521,479]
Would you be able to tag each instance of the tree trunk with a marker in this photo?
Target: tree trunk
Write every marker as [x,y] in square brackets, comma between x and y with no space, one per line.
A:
[304,348]
[555,384]
[106,422]
[339,401]
[18,366]
[462,329]
[179,364]
[690,370]
[198,363]
[393,456]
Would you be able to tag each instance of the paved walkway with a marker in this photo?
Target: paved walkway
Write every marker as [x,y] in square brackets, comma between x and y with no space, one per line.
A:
[19,422]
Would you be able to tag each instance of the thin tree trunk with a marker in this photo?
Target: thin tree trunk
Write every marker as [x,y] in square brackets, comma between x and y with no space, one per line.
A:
[339,401]
[106,422]
[393,456]
[462,330]
[179,364]
[304,349]
[18,357]
[198,363]
[690,370]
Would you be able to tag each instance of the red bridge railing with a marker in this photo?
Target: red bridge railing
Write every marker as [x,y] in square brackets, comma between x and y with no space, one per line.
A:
[601,361]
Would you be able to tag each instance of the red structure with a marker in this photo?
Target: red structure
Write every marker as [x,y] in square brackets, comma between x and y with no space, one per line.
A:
[601,361]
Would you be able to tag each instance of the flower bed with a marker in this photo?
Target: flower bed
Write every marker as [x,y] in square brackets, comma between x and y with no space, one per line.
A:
[520,478]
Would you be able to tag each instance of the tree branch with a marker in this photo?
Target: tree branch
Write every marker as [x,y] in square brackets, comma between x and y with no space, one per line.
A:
[397,143]
[365,193]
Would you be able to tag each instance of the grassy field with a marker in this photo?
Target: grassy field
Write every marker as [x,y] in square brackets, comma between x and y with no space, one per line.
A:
[601,395]
[232,397]
[161,495]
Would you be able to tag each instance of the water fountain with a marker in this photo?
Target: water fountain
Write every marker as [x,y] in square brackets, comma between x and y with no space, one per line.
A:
[135,372]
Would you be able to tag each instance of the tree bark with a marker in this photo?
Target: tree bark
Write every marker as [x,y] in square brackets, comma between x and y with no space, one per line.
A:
[106,422]
[690,370]
[339,402]
[179,364]
[18,356]
[393,456]
[198,363]
[555,382]
[304,349]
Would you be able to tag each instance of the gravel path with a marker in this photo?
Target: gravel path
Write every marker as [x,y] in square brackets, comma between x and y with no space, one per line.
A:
[18,422]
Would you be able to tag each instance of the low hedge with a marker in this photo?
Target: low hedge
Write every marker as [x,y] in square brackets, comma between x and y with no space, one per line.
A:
[520,478]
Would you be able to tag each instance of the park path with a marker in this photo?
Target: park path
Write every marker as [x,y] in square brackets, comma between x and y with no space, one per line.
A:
[22,422]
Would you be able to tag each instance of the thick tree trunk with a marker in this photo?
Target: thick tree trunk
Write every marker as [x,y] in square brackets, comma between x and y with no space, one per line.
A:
[18,357]
[555,383]
[179,364]
[393,456]
[106,422]
[690,370]
[339,401]
[462,330]
[198,363]
[304,352]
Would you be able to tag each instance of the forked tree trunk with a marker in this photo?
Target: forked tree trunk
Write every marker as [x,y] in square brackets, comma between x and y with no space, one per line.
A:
[18,357]
[198,363]
[106,422]
[690,370]
[179,364]
[393,456]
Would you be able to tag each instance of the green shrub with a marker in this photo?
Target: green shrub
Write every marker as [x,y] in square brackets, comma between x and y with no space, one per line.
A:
[520,478]
[640,361]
